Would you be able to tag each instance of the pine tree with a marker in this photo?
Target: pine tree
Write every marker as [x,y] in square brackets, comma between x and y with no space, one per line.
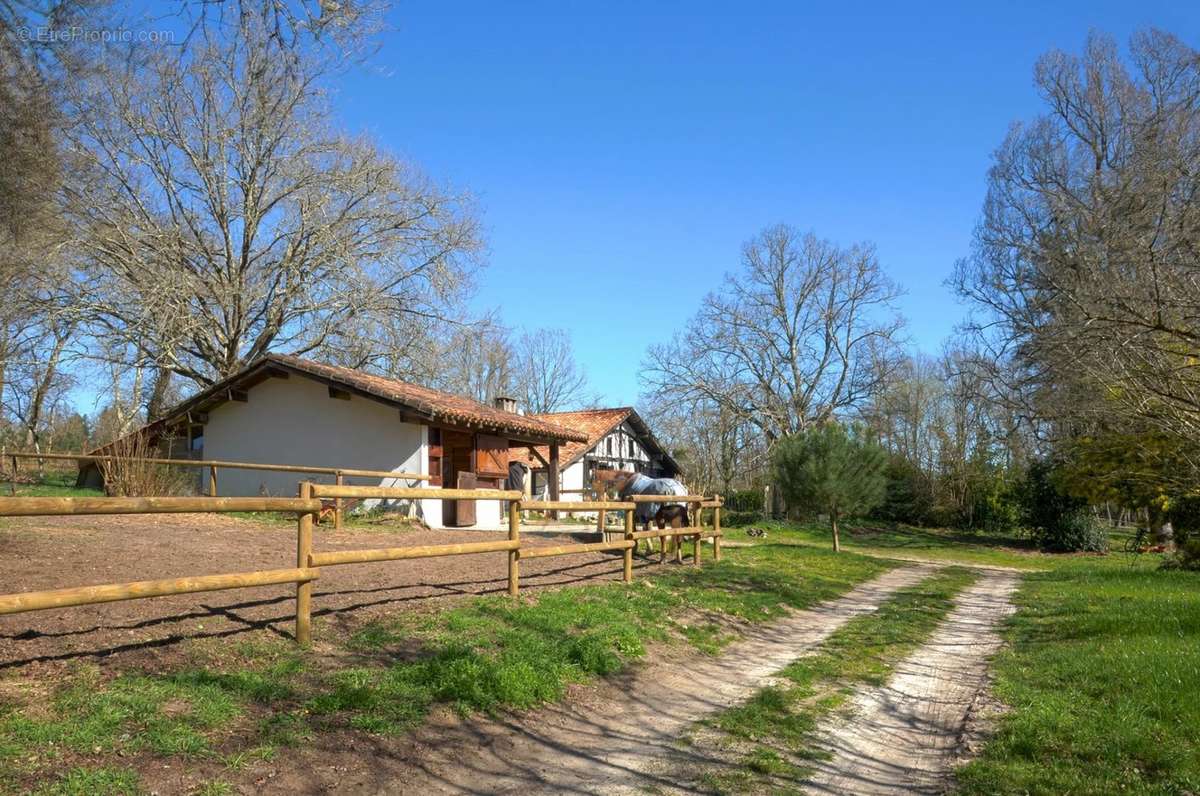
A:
[832,469]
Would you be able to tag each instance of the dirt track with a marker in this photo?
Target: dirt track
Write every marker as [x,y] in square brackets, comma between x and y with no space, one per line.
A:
[905,737]
[609,739]
[58,552]
[620,736]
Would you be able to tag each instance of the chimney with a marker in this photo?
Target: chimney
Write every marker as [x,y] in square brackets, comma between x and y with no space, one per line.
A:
[505,404]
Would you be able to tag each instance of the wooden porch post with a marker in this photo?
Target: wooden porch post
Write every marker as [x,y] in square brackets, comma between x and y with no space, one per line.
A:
[338,479]
[553,476]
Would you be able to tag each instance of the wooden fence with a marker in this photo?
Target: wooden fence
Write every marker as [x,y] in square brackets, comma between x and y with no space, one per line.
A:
[340,474]
[302,575]
[307,506]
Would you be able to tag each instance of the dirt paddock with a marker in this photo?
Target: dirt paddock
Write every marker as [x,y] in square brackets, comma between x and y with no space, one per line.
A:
[59,552]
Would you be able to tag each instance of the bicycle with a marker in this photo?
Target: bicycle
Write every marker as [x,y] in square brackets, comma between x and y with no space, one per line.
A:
[1135,543]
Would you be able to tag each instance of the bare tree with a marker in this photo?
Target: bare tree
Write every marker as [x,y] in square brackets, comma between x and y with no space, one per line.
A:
[38,382]
[227,218]
[1085,269]
[476,361]
[547,375]
[805,329]
[38,321]
[719,450]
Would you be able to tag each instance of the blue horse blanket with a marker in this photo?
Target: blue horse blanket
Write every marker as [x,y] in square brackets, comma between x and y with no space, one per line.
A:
[644,485]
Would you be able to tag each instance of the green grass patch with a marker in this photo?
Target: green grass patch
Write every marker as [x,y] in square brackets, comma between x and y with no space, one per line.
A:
[493,653]
[166,715]
[774,729]
[93,782]
[191,712]
[1103,680]
[55,483]
[906,541]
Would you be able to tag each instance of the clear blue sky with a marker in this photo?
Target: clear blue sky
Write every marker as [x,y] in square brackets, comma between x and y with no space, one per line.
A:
[622,152]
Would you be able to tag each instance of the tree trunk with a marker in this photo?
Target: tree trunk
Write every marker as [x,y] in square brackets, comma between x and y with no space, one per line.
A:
[837,543]
[156,405]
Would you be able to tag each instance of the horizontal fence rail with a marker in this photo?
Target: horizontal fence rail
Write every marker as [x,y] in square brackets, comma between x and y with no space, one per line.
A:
[307,507]
[138,589]
[576,505]
[50,506]
[336,557]
[307,469]
[414,493]
[569,549]
[668,498]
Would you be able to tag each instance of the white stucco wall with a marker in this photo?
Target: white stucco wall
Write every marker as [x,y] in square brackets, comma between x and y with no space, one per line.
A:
[294,421]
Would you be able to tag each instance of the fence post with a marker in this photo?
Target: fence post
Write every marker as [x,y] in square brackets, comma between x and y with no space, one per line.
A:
[717,532]
[514,556]
[12,485]
[304,530]
[628,574]
[602,524]
[338,479]
[212,480]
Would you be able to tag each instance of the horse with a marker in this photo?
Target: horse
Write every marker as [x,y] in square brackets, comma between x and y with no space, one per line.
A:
[626,483]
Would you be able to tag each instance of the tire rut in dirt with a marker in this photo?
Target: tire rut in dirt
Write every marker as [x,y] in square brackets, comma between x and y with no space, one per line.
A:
[608,739]
[905,737]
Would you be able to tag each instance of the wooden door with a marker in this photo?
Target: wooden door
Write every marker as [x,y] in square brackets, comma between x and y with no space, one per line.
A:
[464,510]
[458,456]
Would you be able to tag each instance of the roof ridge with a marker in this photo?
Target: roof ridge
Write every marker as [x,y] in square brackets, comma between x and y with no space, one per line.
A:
[585,411]
[434,403]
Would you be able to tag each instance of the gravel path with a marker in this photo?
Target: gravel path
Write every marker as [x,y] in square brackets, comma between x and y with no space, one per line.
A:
[905,737]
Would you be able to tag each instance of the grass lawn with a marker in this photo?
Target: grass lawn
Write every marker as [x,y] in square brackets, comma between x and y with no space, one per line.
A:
[1102,672]
[1103,680]
[235,701]
[906,541]
[772,733]
[56,483]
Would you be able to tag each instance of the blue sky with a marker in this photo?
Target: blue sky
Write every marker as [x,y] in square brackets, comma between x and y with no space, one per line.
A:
[622,152]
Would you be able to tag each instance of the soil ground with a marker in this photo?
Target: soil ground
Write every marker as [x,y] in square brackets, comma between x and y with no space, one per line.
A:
[59,552]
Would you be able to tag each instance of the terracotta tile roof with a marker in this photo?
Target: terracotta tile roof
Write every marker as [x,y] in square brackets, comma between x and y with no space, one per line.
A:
[434,404]
[594,423]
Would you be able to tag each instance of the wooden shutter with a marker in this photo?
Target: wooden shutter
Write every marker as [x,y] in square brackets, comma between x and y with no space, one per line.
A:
[491,456]
[435,457]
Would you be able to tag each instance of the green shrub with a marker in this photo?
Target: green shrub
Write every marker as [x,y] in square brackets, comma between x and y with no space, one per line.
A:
[736,519]
[1059,522]
[997,511]
[909,496]
[1074,531]
[745,500]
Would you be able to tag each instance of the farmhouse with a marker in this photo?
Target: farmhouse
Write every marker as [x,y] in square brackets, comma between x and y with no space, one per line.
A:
[614,439]
[290,410]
